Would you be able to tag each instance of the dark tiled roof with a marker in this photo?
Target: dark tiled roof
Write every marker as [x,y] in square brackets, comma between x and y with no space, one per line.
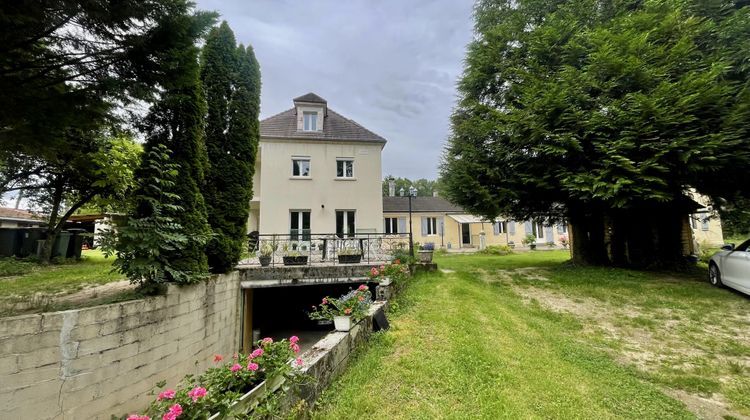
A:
[311,98]
[9,213]
[420,204]
[335,127]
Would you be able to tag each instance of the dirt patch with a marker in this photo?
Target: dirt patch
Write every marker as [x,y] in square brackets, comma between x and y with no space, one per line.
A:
[652,340]
[20,305]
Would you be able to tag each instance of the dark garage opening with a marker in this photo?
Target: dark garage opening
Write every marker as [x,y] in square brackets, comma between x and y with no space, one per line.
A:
[280,312]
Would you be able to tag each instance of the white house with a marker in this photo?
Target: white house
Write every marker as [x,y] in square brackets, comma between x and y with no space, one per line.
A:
[316,172]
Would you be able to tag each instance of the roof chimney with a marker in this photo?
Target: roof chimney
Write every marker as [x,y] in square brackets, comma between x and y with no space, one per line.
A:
[434,193]
[391,187]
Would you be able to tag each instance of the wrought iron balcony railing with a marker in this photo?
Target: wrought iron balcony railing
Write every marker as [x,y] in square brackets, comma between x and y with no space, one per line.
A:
[301,247]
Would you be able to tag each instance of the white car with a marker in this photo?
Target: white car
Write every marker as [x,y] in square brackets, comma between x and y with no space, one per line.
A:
[731,267]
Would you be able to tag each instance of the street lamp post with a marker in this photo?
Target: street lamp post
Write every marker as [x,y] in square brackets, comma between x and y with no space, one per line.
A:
[412,193]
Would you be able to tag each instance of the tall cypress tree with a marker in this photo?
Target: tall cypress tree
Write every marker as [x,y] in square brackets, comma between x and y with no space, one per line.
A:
[231,79]
[176,121]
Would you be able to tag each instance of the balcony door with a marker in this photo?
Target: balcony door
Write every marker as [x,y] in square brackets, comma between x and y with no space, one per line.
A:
[345,225]
[299,225]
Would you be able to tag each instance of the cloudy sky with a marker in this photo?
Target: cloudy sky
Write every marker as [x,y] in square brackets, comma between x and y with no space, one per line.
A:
[390,65]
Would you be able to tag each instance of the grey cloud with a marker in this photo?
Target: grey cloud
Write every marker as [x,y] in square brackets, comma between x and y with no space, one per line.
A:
[390,65]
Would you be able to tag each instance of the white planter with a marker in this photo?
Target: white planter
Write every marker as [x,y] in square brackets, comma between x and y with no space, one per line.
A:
[251,398]
[342,323]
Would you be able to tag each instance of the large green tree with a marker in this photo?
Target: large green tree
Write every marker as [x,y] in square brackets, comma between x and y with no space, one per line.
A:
[231,80]
[603,113]
[176,121]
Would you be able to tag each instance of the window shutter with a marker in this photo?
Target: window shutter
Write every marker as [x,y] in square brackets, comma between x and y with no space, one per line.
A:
[527,227]
[548,234]
[496,228]
[402,226]
[440,222]
[424,226]
[512,227]
[560,229]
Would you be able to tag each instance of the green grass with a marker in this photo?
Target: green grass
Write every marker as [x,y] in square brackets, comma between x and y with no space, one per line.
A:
[467,344]
[20,278]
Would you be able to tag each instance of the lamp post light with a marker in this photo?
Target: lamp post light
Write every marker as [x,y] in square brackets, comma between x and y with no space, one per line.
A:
[412,193]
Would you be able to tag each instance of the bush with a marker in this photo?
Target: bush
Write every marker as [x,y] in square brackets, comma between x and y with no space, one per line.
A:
[397,271]
[354,304]
[15,267]
[496,250]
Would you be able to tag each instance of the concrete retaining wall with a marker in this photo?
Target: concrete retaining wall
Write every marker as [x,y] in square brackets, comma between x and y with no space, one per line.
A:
[98,361]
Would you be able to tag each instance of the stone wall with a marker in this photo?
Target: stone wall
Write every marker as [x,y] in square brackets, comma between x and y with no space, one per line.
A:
[99,361]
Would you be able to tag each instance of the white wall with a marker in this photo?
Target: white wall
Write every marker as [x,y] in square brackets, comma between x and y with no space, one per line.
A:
[322,193]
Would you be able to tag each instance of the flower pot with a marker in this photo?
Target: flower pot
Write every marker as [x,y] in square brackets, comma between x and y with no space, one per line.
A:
[532,246]
[251,398]
[342,323]
[264,261]
[350,259]
[296,260]
[425,256]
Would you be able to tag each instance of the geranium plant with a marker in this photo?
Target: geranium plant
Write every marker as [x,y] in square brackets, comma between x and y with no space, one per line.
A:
[396,271]
[198,397]
[353,304]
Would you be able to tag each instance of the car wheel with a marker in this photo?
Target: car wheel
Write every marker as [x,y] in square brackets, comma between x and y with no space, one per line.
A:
[714,275]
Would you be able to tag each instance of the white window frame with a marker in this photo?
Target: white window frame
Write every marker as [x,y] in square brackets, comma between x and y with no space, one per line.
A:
[300,224]
[344,161]
[432,226]
[391,224]
[537,229]
[310,120]
[345,231]
[502,227]
[307,159]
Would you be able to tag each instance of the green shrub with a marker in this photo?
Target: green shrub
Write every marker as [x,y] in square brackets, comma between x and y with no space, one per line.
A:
[15,267]
[496,250]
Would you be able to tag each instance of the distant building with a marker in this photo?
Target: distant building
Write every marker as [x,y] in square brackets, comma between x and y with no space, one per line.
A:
[15,218]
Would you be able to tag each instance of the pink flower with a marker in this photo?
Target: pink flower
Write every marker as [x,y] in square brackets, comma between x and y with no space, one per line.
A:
[294,339]
[196,393]
[137,417]
[267,340]
[325,301]
[218,358]
[299,362]
[348,311]
[235,367]
[167,394]
[397,261]
[252,366]
[362,287]
[173,413]
[382,267]
[256,353]
[294,347]
[235,356]
[361,298]
[374,271]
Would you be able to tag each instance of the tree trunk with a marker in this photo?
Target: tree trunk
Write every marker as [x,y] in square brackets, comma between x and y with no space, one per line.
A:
[46,254]
[587,239]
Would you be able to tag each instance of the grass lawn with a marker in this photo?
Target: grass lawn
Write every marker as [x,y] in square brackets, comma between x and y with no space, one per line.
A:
[20,280]
[527,335]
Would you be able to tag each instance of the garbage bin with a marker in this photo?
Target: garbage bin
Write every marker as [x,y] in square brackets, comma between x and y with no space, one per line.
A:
[8,242]
[76,243]
[60,248]
[28,238]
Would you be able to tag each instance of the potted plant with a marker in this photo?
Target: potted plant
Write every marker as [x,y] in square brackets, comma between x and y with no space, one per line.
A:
[511,244]
[530,241]
[265,254]
[425,252]
[293,256]
[346,310]
[349,256]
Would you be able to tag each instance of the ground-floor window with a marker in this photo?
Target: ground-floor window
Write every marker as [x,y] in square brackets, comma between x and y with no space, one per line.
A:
[500,227]
[537,229]
[345,225]
[391,225]
[299,225]
[429,226]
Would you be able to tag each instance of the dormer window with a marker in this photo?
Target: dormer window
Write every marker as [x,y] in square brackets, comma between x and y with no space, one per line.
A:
[310,120]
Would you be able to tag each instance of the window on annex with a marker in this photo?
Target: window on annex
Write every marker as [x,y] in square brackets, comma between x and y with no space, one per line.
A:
[344,168]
